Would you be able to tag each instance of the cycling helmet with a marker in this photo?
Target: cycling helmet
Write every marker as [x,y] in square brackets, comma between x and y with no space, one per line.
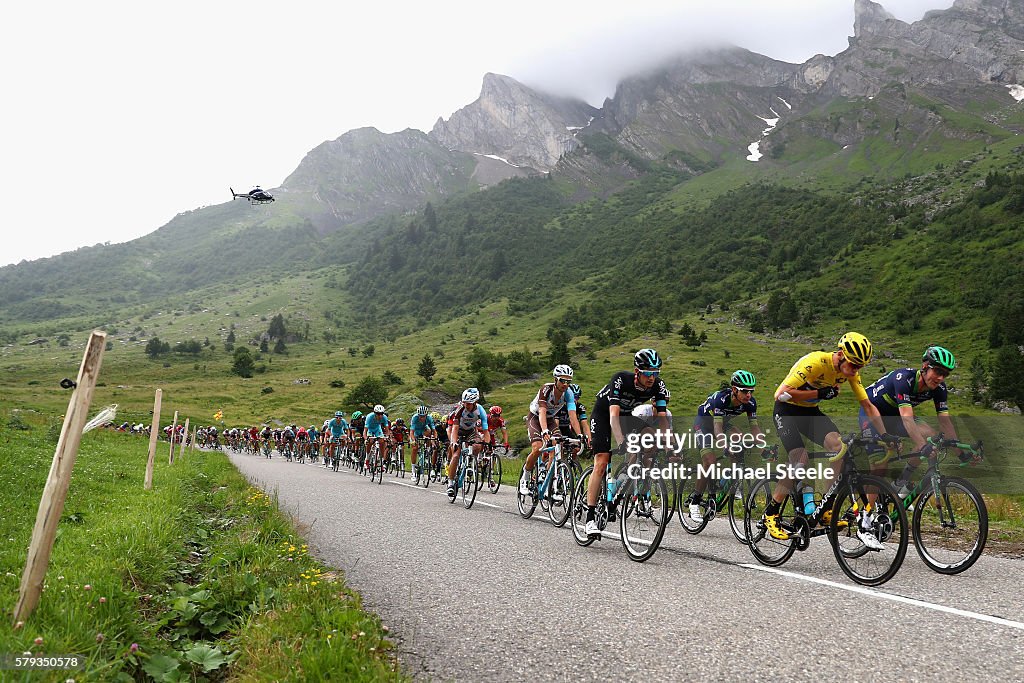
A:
[743,379]
[399,422]
[311,427]
[338,413]
[422,410]
[356,415]
[471,395]
[378,409]
[856,348]
[647,359]
[939,357]
[495,410]
[575,389]
[562,370]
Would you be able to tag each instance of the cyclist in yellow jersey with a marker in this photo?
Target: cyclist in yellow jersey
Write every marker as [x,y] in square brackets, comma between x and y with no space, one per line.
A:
[817,377]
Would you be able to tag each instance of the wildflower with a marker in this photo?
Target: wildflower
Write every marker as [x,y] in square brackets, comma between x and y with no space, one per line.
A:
[134,648]
[19,625]
[87,587]
[100,637]
[102,600]
[38,641]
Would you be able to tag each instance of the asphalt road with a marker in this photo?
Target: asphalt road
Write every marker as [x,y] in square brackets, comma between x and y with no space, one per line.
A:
[482,594]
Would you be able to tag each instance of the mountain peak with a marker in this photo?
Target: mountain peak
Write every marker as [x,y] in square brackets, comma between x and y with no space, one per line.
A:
[870,17]
[530,128]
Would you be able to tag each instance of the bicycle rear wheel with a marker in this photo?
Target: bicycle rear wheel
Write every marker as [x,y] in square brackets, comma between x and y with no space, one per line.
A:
[560,495]
[950,529]
[643,516]
[768,551]
[885,520]
[686,491]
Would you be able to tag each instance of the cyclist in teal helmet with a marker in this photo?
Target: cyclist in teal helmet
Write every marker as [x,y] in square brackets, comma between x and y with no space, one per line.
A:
[714,430]
[899,392]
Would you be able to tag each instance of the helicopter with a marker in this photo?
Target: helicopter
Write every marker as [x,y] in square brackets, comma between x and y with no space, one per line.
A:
[256,195]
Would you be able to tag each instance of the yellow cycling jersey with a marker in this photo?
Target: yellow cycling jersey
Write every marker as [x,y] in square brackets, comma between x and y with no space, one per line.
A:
[815,371]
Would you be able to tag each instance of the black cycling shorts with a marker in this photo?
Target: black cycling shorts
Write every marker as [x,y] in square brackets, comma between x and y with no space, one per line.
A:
[795,422]
[601,429]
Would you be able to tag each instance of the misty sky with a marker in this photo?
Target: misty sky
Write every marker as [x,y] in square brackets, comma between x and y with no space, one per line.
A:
[118,115]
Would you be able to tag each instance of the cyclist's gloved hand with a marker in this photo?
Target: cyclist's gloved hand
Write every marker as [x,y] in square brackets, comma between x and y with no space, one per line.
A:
[827,393]
[505,444]
[927,450]
[621,450]
[767,454]
[889,439]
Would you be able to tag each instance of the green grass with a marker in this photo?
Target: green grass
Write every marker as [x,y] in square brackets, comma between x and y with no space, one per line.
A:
[202,573]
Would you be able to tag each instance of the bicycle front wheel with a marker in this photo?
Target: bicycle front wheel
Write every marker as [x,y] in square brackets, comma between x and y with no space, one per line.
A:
[769,551]
[869,506]
[469,486]
[950,528]
[494,475]
[643,516]
[737,494]
[560,495]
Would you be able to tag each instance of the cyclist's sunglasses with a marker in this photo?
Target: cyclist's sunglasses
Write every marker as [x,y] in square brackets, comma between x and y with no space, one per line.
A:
[649,373]
[941,372]
[563,380]
[745,391]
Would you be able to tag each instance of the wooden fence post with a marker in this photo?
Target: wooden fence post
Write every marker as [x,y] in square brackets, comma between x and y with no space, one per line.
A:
[184,438]
[51,505]
[174,430]
[154,433]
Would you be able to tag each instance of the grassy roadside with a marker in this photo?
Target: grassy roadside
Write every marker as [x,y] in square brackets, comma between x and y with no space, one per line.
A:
[200,579]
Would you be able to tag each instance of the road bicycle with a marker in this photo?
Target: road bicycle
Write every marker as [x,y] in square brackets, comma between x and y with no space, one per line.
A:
[396,460]
[425,456]
[374,465]
[637,498]
[550,486]
[855,502]
[465,476]
[489,461]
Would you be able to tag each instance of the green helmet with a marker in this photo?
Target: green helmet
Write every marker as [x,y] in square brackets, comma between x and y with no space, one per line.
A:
[939,357]
[356,415]
[743,379]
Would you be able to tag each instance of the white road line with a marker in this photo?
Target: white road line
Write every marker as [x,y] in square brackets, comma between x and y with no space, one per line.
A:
[478,502]
[889,596]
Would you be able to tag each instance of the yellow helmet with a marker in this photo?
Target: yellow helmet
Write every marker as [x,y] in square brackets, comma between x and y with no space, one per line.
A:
[856,348]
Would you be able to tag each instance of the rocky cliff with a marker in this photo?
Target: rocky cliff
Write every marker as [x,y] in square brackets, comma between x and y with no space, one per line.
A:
[511,121]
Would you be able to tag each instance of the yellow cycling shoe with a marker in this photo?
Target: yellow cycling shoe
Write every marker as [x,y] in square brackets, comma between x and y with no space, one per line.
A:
[826,519]
[771,523]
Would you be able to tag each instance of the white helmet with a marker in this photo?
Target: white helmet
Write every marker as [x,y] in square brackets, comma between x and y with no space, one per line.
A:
[378,408]
[562,371]
[471,395]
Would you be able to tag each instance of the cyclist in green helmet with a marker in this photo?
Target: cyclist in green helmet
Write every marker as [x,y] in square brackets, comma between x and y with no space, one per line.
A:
[899,392]
[713,426]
